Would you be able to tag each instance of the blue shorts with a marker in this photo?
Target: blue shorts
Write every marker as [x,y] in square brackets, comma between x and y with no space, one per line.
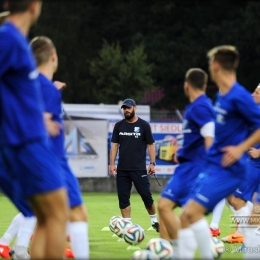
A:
[72,184]
[250,184]
[8,185]
[34,167]
[214,184]
[178,189]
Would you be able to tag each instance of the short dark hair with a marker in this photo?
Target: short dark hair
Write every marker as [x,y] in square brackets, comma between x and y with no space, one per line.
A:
[42,48]
[197,78]
[19,6]
[226,55]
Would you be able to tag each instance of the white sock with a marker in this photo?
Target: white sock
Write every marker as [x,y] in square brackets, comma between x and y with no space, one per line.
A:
[249,205]
[242,213]
[128,219]
[216,215]
[12,230]
[175,246]
[203,238]
[79,239]
[187,244]
[153,218]
[25,232]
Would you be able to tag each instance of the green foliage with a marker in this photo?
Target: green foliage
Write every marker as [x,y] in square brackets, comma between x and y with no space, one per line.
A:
[176,36]
[120,75]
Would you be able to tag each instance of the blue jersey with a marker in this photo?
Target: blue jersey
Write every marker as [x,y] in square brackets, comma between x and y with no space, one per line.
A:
[21,118]
[52,104]
[197,114]
[236,116]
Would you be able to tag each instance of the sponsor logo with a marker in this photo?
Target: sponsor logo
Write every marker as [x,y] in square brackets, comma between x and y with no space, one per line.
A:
[76,144]
[169,193]
[130,134]
[137,129]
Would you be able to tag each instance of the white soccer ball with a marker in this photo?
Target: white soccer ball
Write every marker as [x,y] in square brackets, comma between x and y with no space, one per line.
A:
[134,234]
[112,222]
[217,247]
[144,255]
[120,227]
[161,247]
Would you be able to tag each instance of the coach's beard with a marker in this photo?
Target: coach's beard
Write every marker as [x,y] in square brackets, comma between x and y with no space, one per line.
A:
[130,116]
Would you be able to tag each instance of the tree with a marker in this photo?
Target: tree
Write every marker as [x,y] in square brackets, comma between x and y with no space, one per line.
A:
[120,75]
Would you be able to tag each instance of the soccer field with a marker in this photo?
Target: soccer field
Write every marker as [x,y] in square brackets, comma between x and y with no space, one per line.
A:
[101,207]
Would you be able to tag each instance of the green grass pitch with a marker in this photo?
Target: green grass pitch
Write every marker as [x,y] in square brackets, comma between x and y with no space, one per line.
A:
[101,207]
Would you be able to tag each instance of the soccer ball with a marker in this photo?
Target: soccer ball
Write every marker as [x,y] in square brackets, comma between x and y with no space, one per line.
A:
[161,247]
[134,234]
[217,247]
[120,227]
[112,222]
[144,255]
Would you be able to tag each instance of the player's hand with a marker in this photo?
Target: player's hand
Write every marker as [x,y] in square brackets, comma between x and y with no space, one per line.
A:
[112,170]
[254,153]
[59,85]
[151,169]
[53,127]
[231,155]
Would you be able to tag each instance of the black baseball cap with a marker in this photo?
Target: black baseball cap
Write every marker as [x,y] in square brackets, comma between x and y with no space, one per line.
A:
[128,103]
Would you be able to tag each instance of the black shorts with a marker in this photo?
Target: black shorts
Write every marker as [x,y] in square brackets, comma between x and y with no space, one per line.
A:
[141,182]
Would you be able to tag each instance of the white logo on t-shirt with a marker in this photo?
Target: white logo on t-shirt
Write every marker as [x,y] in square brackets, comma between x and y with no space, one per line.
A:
[137,129]
[33,74]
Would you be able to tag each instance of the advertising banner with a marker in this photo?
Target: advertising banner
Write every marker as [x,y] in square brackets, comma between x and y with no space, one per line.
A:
[168,137]
[86,147]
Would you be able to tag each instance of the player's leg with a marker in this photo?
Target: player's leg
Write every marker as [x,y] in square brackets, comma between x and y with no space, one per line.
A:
[193,214]
[176,193]
[166,204]
[9,235]
[20,249]
[187,243]
[51,210]
[78,226]
[170,221]
[216,216]
[78,231]
[204,200]
[38,173]
[142,185]
[11,188]
[124,185]
[240,203]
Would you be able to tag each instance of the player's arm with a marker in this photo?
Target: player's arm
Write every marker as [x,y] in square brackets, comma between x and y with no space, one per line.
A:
[59,85]
[254,153]
[233,153]
[52,126]
[113,153]
[151,153]
[208,133]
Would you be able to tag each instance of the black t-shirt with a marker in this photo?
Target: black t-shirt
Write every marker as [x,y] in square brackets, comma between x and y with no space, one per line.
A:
[132,139]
